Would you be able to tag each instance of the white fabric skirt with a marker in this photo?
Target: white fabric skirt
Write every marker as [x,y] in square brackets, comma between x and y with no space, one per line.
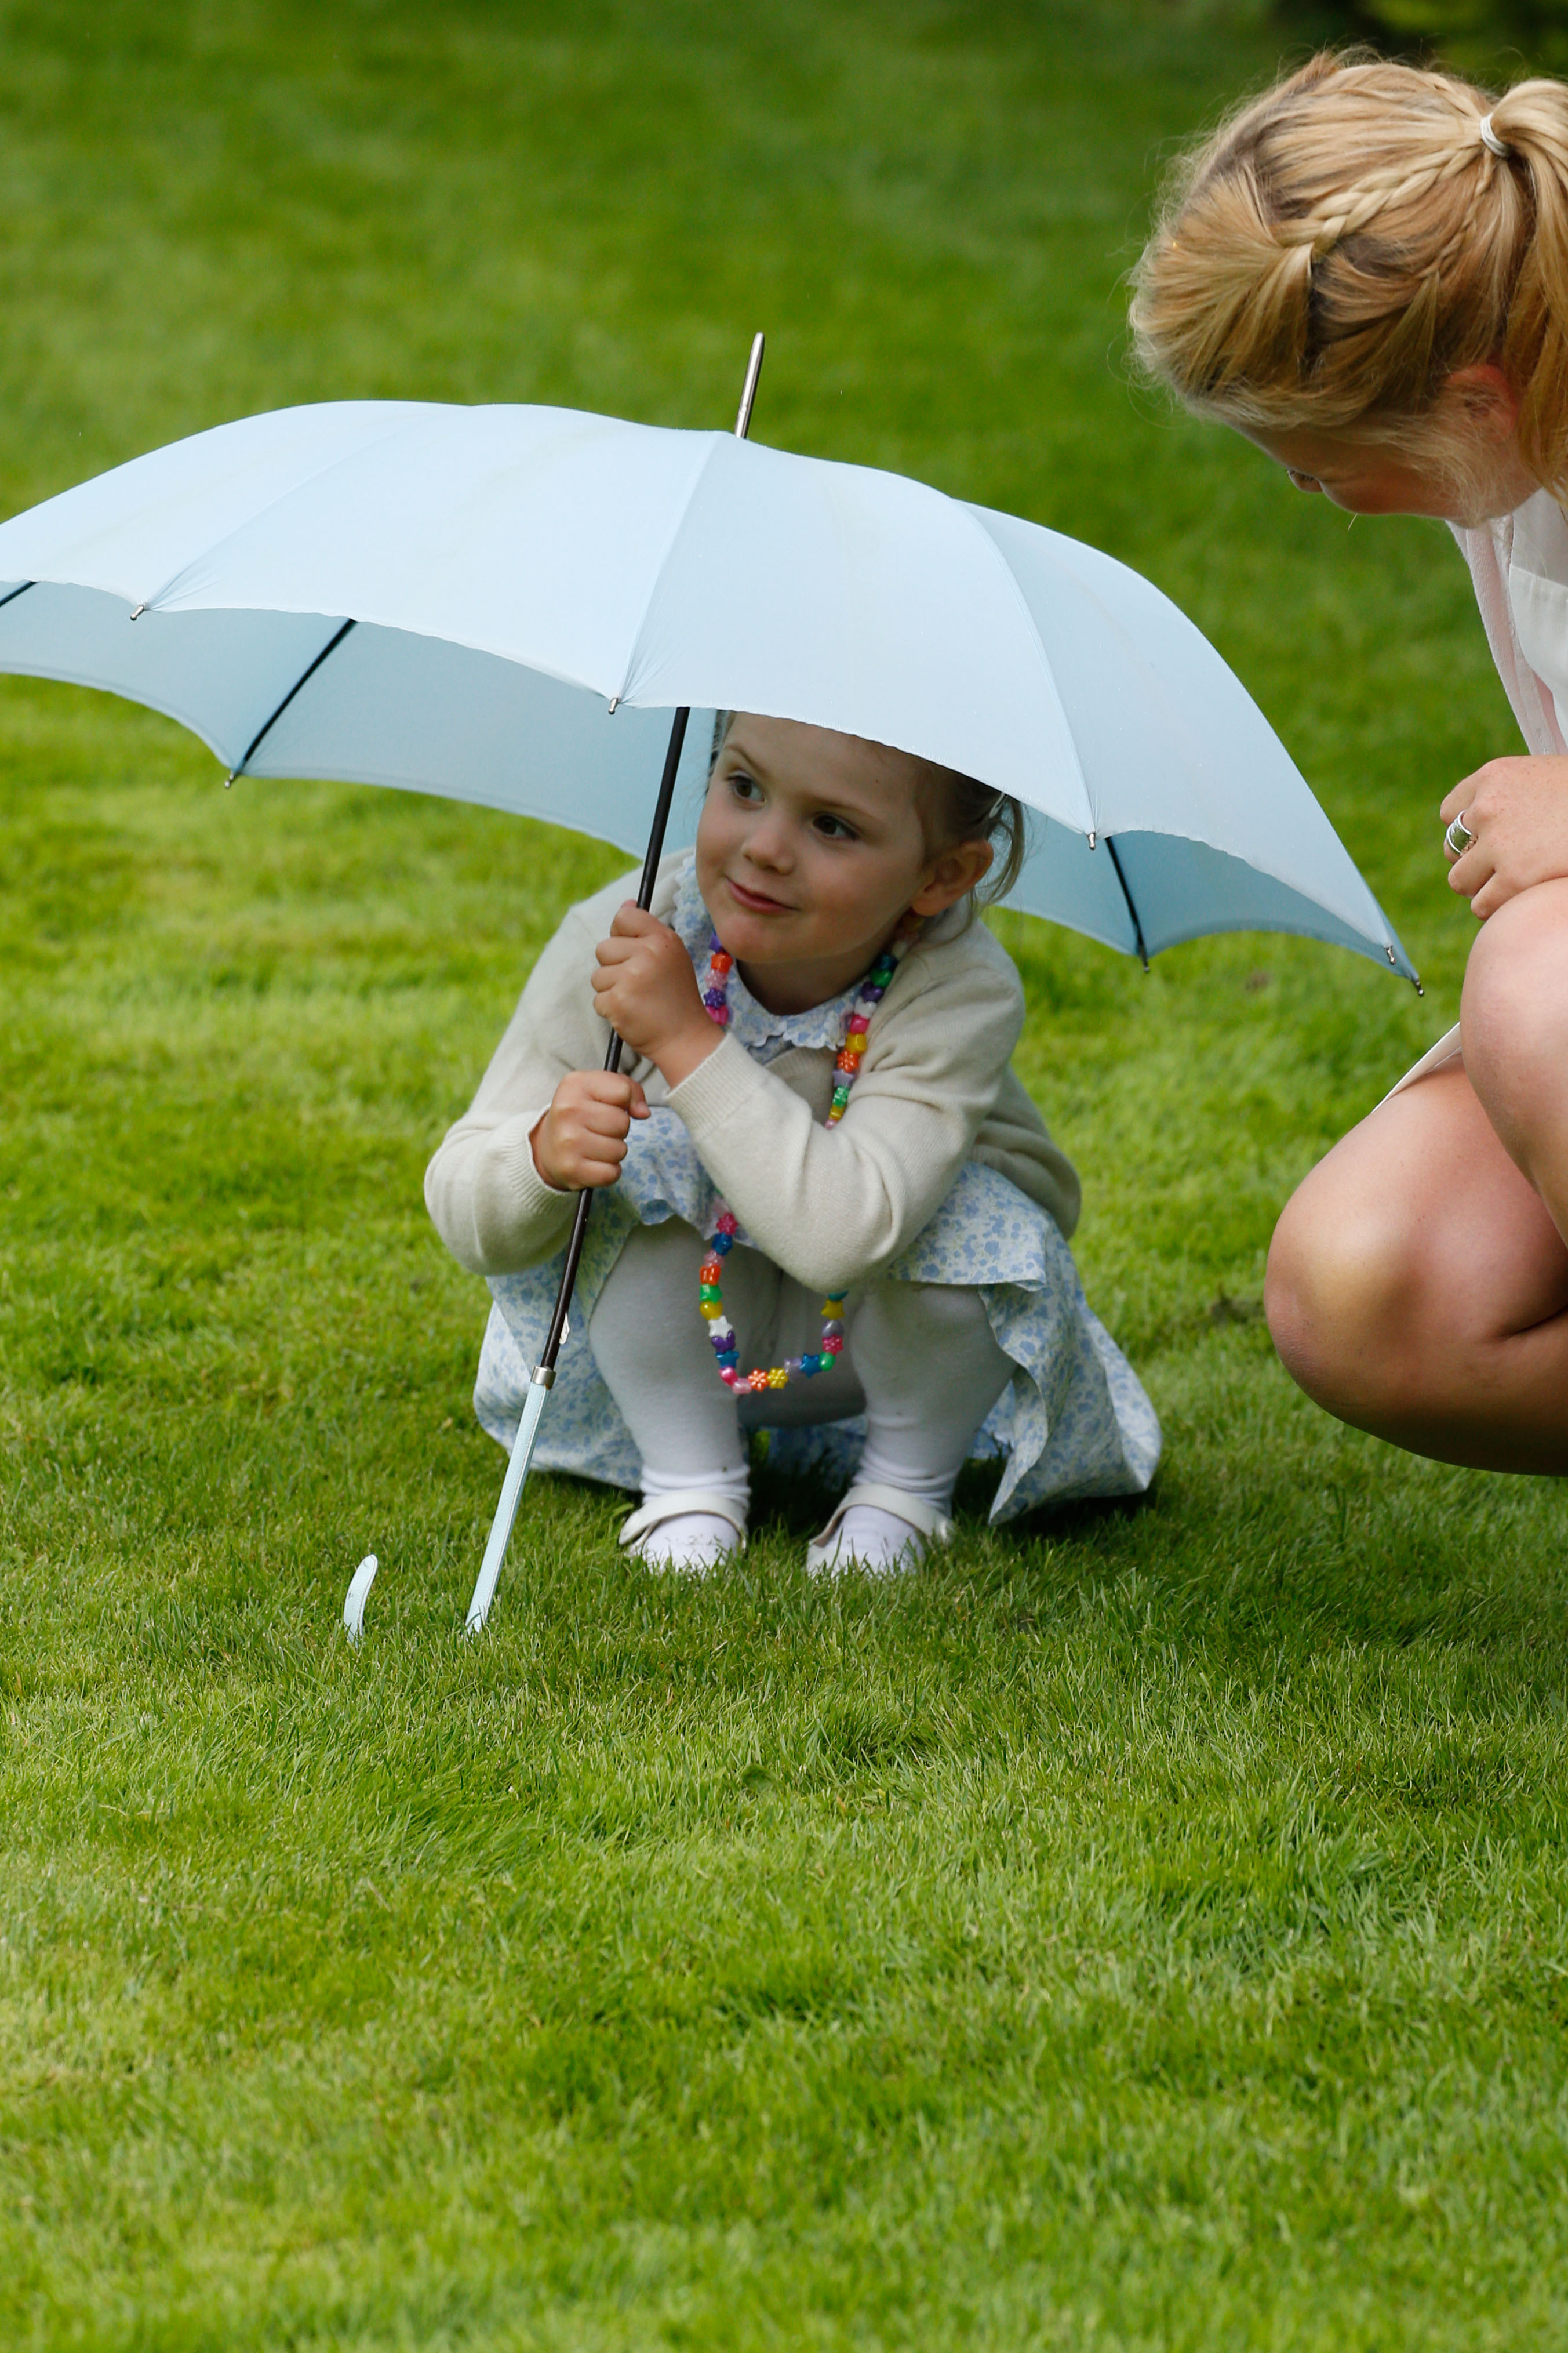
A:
[1436,1058]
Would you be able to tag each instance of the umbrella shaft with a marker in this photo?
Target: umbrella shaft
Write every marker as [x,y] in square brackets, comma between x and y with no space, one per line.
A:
[613,1056]
[506,1509]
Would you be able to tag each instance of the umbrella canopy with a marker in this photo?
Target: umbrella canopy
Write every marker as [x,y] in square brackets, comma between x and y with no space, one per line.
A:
[500,603]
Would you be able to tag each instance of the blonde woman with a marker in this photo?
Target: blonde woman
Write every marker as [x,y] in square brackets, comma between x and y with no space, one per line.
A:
[1365,271]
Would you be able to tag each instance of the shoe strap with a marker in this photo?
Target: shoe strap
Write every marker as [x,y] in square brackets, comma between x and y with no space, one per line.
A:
[931,1523]
[674,1507]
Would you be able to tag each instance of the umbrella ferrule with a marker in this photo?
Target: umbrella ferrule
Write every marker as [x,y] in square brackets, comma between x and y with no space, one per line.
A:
[544,1377]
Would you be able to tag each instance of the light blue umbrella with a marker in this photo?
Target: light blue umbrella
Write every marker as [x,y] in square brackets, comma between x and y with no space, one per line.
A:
[505,605]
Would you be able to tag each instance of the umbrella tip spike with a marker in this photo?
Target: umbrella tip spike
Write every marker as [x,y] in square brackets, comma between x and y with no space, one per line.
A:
[229,778]
[1092,837]
[614,701]
[749,389]
[136,616]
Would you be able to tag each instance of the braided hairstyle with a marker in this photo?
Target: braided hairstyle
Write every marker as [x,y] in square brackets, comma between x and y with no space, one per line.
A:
[1340,245]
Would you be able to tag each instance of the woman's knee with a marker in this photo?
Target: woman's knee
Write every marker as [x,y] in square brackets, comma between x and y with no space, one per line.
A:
[1342,1295]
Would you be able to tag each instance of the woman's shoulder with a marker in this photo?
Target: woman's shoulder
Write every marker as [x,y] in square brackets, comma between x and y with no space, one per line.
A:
[1537,539]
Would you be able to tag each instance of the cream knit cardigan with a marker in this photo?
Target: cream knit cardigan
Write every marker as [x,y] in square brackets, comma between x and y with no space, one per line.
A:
[935,1088]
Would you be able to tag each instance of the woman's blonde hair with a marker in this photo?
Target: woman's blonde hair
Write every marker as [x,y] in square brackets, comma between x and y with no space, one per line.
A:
[1340,245]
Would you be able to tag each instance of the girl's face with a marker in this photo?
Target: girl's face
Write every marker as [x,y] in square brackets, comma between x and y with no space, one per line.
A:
[809,851]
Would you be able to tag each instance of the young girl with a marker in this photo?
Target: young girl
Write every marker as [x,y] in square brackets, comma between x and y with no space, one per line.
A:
[1365,271]
[829,1208]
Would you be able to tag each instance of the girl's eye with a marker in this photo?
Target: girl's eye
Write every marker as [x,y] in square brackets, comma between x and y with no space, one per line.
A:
[1303,482]
[833,827]
[744,787]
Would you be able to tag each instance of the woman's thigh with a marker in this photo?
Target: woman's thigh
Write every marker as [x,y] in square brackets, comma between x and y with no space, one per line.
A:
[1408,1266]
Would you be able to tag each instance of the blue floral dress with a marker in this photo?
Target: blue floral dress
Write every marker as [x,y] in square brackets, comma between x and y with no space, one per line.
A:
[1075,1420]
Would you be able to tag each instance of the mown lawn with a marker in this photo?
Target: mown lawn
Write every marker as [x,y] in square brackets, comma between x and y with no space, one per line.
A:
[1144,1930]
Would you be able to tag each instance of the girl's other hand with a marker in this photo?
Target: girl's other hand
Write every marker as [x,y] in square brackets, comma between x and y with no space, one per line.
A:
[645,988]
[1518,811]
[582,1139]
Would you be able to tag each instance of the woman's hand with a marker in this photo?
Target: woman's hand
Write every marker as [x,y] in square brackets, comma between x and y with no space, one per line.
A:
[1518,811]
[645,988]
[582,1139]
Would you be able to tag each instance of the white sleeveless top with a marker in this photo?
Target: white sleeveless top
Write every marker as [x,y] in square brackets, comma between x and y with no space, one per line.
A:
[1519,567]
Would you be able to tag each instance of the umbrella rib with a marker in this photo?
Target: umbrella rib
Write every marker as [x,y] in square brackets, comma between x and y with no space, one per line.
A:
[1131,909]
[305,676]
[975,517]
[11,598]
[281,498]
[668,556]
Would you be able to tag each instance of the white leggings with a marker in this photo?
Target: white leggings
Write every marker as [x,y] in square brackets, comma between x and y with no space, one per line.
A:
[920,1361]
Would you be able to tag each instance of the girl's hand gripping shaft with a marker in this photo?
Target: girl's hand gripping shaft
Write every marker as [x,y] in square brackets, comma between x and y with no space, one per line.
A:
[544,1372]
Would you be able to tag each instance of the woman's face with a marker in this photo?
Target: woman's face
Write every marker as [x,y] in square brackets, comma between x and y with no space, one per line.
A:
[1362,480]
[1477,403]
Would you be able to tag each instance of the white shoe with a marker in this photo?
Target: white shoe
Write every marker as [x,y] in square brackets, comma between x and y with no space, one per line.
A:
[692,1530]
[876,1528]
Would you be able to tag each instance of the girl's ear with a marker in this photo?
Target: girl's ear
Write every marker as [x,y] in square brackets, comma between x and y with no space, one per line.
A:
[952,877]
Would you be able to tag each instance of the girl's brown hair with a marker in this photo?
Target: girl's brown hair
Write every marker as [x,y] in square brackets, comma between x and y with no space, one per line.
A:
[956,808]
[1340,245]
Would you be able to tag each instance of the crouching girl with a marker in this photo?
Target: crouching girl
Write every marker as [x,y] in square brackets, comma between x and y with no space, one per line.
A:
[830,1210]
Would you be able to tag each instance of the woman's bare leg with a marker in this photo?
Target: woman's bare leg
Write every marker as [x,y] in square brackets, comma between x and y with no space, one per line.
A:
[1515,1018]
[1417,1283]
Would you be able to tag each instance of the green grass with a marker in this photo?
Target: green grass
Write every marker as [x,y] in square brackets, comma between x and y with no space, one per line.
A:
[1145,1930]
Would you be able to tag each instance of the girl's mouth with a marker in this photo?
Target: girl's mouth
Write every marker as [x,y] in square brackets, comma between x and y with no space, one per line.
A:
[756,902]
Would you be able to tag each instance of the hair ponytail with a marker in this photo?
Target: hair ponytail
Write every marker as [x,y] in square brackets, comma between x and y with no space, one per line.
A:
[1532,121]
[1340,245]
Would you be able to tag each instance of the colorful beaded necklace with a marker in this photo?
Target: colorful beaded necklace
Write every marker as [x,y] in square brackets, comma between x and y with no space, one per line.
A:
[726,1225]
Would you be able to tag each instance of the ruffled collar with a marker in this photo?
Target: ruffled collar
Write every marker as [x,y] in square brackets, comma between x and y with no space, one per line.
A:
[762,1033]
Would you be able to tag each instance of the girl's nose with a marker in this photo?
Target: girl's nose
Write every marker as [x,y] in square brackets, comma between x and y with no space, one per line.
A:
[768,843]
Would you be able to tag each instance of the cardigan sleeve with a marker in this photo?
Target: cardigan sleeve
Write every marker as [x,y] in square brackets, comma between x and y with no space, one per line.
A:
[488,1201]
[831,1205]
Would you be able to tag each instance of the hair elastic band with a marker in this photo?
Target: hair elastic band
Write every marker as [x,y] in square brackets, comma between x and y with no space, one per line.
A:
[1489,139]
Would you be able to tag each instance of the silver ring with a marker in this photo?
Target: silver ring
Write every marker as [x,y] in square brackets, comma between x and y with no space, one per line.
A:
[1458,838]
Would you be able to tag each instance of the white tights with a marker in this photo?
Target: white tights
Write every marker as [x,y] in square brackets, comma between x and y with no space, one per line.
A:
[920,1361]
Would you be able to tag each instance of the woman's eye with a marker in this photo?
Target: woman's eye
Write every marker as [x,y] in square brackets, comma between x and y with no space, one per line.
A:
[1303,482]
